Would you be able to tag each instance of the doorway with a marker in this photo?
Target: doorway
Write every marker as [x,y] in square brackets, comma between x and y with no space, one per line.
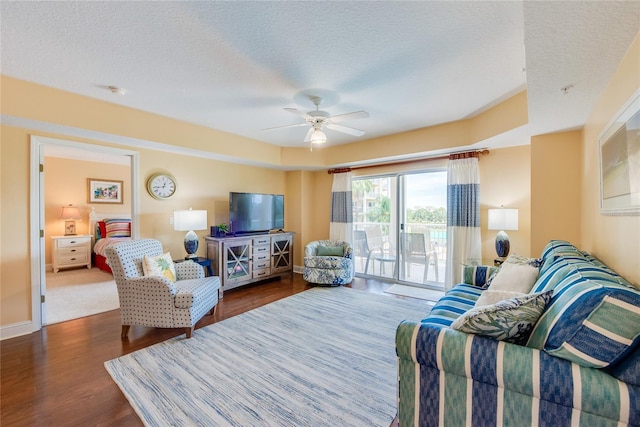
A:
[40,148]
[400,227]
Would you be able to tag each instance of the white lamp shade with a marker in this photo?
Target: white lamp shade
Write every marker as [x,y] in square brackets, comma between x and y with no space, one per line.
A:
[70,213]
[318,137]
[503,219]
[189,220]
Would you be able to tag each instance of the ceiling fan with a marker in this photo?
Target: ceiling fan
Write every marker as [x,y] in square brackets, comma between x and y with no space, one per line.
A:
[319,119]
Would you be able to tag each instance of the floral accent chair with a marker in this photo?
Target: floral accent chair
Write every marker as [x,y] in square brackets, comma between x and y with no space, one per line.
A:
[328,262]
[155,299]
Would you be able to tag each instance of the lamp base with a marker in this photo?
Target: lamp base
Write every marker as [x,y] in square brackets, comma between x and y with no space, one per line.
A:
[191,244]
[502,244]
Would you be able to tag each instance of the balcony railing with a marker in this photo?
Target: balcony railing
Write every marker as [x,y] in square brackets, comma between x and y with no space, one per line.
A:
[382,238]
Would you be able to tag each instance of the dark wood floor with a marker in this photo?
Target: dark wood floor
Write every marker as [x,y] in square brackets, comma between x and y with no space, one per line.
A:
[56,376]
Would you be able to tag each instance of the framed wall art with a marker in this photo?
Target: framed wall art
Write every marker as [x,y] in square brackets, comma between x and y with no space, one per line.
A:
[104,191]
[620,162]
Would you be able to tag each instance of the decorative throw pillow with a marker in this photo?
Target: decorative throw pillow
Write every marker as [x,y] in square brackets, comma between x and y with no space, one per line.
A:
[161,265]
[330,250]
[510,320]
[593,323]
[490,297]
[118,227]
[517,274]
[478,275]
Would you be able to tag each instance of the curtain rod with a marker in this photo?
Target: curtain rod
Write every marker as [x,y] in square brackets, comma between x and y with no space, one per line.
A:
[453,156]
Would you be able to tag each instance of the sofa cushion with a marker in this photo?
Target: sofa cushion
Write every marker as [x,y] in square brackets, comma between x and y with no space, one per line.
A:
[161,265]
[557,246]
[324,250]
[478,275]
[565,266]
[453,304]
[590,321]
[509,320]
[628,369]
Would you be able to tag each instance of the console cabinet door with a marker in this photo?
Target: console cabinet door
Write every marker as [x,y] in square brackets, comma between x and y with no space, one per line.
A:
[236,261]
[281,253]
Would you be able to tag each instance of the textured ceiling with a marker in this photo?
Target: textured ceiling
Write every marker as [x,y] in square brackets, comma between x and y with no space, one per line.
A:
[234,66]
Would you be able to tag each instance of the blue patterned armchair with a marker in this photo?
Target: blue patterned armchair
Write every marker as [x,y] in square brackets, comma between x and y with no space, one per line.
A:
[328,262]
[158,301]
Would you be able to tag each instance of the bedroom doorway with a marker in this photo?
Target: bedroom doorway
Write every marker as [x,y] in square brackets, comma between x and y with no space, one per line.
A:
[40,219]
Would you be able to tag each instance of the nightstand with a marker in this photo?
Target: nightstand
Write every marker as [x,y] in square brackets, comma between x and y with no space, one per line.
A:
[205,262]
[71,251]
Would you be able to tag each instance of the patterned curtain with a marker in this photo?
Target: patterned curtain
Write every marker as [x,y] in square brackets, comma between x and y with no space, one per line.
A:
[341,226]
[463,216]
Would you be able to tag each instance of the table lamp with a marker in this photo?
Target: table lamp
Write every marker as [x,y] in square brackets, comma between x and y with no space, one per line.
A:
[190,220]
[503,219]
[70,214]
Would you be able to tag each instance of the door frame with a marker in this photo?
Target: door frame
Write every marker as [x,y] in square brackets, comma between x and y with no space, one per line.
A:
[36,211]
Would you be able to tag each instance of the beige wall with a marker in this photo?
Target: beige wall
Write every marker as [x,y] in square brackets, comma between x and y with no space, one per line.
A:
[613,239]
[505,180]
[15,283]
[555,188]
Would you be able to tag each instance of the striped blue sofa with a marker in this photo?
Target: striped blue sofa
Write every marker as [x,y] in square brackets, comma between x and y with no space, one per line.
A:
[580,365]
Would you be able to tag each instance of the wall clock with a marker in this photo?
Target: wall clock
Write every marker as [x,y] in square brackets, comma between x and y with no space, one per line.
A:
[161,186]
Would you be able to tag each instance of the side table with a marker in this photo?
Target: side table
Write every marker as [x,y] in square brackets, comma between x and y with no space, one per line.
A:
[205,262]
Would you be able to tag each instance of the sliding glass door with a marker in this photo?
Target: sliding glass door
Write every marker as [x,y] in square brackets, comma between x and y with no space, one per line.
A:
[375,225]
[400,227]
[423,228]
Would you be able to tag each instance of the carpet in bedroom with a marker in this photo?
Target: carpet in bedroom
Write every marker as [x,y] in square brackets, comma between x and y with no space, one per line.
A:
[76,293]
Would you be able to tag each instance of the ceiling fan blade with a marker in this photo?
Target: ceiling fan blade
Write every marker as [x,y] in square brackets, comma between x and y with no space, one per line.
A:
[286,126]
[345,129]
[298,113]
[308,137]
[349,116]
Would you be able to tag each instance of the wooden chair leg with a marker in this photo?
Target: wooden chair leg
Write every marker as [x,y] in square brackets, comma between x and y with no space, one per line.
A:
[189,330]
[125,331]
[213,310]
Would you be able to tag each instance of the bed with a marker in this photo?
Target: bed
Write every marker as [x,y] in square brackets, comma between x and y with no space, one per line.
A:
[107,229]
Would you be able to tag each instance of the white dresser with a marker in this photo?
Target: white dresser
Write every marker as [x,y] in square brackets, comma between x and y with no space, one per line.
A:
[71,251]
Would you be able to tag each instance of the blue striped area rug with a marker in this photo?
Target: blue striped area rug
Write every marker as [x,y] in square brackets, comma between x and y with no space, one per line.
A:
[323,357]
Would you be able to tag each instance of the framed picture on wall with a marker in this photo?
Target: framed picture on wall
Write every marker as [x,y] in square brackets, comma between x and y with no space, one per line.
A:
[104,191]
[620,162]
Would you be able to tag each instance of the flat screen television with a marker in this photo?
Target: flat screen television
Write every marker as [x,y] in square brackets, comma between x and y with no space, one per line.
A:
[252,213]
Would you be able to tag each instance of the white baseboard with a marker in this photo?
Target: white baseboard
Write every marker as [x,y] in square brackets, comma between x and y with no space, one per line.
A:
[298,269]
[15,330]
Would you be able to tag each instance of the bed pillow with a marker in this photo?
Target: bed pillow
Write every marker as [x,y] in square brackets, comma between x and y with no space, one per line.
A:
[161,265]
[330,250]
[101,230]
[118,227]
[510,320]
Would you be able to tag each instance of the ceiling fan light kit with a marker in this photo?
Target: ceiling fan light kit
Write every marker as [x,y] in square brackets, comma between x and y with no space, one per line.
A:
[318,137]
[318,119]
